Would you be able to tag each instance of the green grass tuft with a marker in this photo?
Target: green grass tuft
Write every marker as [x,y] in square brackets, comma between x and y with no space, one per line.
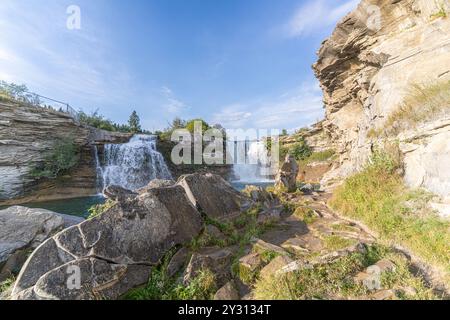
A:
[377,197]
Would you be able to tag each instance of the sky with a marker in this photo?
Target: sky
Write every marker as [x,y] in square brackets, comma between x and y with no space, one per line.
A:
[240,63]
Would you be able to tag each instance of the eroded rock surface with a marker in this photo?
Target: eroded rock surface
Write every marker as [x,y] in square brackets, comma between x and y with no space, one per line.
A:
[130,237]
[22,230]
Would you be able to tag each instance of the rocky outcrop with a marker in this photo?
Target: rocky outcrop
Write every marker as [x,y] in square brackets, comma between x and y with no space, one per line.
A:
[21,231]
[26,134]
[114,252]
[215,197]
[287,174]
[367,67]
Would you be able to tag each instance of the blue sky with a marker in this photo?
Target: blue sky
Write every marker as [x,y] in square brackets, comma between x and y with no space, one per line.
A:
[241,63]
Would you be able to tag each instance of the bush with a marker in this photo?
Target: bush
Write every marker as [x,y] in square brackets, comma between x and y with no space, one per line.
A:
[300,150]
[97,209]
[63,156]
[190,125]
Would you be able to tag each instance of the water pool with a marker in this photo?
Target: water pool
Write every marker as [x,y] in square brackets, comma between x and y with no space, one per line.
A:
[75,207]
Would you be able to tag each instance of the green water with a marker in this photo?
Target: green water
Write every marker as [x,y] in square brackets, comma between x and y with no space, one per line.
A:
[75,207]
[79,206]
[241,185]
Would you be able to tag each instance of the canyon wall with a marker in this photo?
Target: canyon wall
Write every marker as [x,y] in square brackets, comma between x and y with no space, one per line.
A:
[366,69]
[27,133]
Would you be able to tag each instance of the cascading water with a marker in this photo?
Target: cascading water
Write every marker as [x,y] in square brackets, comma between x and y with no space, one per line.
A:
[134,164]
[252,163]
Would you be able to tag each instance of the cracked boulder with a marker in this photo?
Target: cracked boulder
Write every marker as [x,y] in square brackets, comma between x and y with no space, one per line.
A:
[108,250]
[22,230]
[216,198]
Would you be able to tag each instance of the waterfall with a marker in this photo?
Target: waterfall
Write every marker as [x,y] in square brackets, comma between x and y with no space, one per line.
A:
[251,161]
[134,164]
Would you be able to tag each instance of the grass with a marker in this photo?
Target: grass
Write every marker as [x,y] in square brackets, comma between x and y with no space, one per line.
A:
[162,287]
[97,209]
[6,284]
[305,214]
[442,13]
[423,103]
[334,280]
[377,197]
[318,157]
[334,242]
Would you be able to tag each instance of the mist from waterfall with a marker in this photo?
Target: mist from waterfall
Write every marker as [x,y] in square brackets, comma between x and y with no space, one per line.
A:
[134,164]
[252,163]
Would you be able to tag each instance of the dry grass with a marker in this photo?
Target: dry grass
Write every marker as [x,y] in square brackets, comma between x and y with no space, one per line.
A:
[423,103]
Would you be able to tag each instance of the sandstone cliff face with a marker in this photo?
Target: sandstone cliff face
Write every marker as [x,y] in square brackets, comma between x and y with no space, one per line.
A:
[26,133]
[366,70]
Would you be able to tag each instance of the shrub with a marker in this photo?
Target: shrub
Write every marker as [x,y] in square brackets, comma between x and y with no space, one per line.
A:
[190,125]
[97,209]
[63,156]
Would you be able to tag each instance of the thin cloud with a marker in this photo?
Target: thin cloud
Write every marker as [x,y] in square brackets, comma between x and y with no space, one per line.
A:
[316,15]
[296,108]
[172,104]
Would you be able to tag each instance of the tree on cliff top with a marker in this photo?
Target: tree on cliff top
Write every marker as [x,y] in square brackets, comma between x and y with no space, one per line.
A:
[134,123]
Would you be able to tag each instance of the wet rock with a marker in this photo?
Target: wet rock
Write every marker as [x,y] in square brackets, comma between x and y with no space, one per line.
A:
[287,174]
[22,230]
[227,292]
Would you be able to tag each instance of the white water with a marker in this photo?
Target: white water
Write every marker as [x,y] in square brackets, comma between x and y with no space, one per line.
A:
[134,164]
[252,163]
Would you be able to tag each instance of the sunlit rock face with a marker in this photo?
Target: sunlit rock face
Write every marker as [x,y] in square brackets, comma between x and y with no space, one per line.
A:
[26,134]
[367,67]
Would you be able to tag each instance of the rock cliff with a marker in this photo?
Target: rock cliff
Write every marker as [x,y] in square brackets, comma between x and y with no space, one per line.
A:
[26,133]
[366,69]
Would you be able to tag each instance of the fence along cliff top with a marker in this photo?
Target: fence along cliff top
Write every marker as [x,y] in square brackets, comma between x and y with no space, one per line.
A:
[21,94]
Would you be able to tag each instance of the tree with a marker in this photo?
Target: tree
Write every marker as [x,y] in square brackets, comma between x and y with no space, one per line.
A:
[284,132]
[178,123]
[191,125]
[134,123]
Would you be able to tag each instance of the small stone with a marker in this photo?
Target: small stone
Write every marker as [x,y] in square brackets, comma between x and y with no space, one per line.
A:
[408,291]
[384,295]
[274,266]
[370,281]
[386,265]
[177,262]
[251,261]
[214,232]
[261,246]
[295,245]
[227,292]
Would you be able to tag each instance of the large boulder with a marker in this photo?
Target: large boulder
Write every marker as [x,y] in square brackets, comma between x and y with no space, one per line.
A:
[22,230]
[214,196]
[113,252]
[156,183]
[287,174]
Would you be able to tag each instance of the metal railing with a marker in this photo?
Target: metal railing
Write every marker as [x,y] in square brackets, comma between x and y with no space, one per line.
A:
[21,94]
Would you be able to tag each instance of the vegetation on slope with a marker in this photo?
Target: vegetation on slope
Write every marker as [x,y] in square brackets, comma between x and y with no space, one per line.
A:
[423,103]
[63,156]
[378,197]
[328,281]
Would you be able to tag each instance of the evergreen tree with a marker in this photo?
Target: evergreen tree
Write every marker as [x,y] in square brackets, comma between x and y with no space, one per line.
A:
[134,123]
